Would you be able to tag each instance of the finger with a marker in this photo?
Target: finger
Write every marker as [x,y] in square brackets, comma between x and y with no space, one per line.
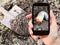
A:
[43,36]
[34,36]
[30,31]
[30,24]
[52,17]
[29,16]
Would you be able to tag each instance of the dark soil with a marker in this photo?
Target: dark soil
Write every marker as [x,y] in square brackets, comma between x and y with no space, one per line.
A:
[9,37]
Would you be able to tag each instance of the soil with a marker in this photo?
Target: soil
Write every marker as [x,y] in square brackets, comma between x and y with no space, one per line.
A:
[9,37]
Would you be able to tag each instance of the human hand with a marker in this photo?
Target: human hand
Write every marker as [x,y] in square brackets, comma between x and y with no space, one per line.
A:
[53,29]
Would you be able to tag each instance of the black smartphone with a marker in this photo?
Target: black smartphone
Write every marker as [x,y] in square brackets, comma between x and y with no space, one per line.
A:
[41,18]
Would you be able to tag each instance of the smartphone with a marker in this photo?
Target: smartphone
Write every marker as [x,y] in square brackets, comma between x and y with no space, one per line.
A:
[41,18]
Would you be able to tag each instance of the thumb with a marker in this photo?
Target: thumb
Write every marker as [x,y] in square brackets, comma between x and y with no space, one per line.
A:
[52,17]
[29,16]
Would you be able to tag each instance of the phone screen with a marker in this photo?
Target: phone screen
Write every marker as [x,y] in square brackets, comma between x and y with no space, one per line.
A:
[41,18]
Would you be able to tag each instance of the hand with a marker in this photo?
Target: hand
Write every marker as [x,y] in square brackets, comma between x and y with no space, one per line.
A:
[48,40]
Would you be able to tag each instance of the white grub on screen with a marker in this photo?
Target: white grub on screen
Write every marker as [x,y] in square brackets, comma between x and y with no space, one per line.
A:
[41,16]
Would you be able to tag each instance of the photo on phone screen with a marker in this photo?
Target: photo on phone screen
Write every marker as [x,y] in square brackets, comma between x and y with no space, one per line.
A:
[40,18]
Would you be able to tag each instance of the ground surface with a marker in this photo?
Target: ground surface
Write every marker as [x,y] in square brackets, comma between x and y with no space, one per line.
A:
[8,37]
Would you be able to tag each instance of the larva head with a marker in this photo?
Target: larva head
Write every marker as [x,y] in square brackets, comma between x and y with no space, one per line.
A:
[38,20]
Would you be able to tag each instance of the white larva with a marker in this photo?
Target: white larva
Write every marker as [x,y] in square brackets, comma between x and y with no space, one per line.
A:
[41,16]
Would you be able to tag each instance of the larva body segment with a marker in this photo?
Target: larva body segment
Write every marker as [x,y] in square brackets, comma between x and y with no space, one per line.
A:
[41,16]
